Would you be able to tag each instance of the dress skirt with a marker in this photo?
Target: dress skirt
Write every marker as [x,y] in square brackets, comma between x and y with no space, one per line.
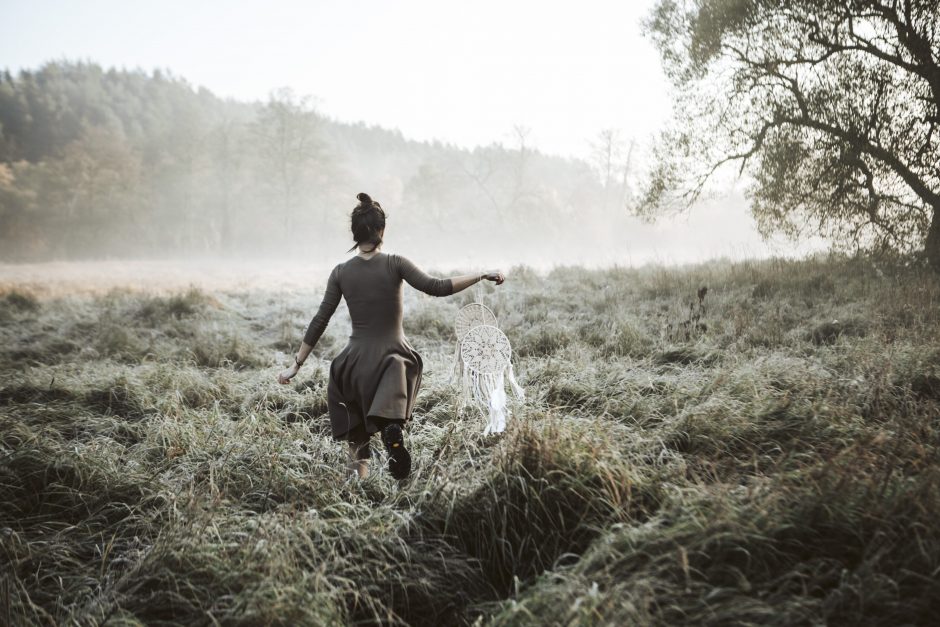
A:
[372,378]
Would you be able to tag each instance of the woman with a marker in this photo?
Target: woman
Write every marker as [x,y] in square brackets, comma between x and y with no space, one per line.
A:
[375,379]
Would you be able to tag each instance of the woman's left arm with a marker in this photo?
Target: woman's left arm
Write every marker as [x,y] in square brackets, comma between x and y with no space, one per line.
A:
[464,281]
[441,287]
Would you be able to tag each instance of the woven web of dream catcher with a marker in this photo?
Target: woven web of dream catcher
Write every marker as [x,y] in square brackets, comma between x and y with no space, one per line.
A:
[486,356]
[485,349]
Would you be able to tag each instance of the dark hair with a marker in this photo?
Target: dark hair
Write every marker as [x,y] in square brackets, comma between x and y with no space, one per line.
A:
[368,220]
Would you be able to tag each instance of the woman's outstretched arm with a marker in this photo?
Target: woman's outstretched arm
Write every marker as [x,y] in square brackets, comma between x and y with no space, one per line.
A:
[316,327]
[419,280]
[464,281]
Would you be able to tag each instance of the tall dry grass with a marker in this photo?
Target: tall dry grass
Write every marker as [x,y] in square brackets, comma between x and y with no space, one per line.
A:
[774,461]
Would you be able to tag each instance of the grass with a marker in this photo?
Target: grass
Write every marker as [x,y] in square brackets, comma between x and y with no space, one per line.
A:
[773,461]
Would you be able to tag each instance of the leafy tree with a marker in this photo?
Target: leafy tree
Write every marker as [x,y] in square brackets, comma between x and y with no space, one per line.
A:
[831,107]
[21,234]
[228,157]
[103,162]
[287,129]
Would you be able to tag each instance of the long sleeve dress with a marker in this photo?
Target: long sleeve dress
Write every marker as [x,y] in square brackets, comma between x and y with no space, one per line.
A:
[378,373]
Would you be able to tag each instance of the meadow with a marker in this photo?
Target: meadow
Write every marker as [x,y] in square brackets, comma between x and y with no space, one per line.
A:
[763,452]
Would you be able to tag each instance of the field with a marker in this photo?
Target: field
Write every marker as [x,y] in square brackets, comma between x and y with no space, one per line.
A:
[767,454]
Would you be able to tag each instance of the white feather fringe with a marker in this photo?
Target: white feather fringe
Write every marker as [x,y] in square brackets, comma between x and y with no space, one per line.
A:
[488,393]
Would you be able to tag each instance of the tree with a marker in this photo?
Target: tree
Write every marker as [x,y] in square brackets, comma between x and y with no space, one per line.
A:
[87,195]
[227,156]
[287,130]
[830,106]
[520,134]
[612,158]
[480,167]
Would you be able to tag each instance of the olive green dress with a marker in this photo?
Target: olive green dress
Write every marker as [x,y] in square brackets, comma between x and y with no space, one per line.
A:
[378,373]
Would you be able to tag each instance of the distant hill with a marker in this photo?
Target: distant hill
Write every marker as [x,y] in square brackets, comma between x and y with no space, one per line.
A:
[99,163]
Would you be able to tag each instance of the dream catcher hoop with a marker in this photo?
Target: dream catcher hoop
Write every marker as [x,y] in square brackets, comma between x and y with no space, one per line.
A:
[486,358]
[473,315]
[468,317]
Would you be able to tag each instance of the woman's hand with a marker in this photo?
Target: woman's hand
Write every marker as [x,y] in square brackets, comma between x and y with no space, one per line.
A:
[288,374]
[495,277]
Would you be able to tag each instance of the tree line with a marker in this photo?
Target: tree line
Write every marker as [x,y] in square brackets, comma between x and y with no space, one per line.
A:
[111,163]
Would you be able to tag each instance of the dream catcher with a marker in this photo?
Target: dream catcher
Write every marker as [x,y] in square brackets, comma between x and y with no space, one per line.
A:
[469,316]
[484,363]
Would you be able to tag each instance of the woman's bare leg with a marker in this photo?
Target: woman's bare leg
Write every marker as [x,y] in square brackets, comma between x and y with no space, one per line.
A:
[357,466]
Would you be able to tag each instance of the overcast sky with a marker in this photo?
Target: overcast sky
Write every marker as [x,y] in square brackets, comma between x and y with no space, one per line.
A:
[462,72]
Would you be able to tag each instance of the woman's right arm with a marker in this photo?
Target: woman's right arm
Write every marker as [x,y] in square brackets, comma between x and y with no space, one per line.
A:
[317,325]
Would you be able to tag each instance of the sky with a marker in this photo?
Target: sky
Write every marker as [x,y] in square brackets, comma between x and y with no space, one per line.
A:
[461,72]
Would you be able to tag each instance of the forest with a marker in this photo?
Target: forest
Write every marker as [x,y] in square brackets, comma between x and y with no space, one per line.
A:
[104,163]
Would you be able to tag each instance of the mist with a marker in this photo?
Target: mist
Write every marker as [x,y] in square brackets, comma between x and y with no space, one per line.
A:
[499,149]
[102,164]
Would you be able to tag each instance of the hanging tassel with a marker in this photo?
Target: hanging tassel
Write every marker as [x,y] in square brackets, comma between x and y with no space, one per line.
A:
[466,387]
[516,388]
[457,369]
[497,405]
[488,393]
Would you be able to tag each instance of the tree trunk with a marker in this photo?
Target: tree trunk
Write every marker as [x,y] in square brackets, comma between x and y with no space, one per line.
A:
[225,232]
[932,245]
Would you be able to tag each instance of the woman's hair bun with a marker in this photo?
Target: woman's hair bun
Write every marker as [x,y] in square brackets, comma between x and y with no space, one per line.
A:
[364,198]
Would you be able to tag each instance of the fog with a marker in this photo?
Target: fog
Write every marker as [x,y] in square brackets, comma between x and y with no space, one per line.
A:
[490,145]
